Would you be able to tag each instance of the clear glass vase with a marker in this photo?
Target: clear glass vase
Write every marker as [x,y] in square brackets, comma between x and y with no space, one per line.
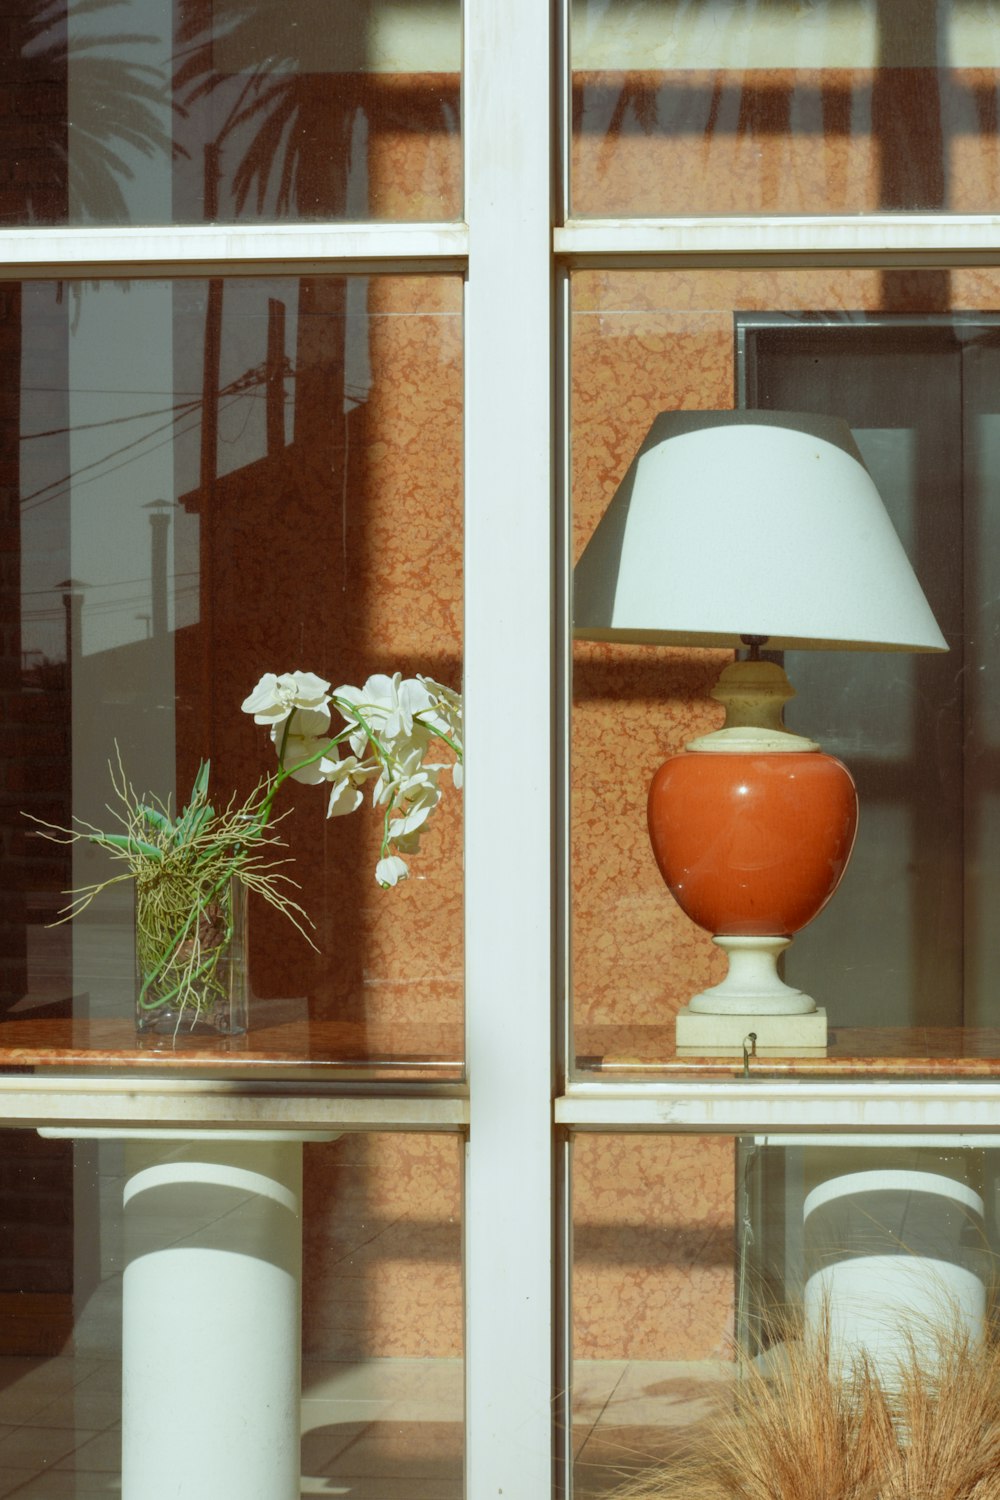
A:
[191,961]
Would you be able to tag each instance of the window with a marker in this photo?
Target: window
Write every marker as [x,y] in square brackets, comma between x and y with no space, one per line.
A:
[349,310]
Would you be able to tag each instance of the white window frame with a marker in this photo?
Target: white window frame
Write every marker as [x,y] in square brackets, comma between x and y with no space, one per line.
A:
[516,250]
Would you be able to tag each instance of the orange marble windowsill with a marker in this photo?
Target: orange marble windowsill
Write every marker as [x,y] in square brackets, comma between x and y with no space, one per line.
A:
[411,1052]
[619,1053]
[433,1053]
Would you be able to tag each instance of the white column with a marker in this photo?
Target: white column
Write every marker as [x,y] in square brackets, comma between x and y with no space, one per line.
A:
[211,1311]
[895,1262]
[211,1319]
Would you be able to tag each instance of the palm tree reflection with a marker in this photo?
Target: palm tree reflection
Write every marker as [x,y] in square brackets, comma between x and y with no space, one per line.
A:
[118,115]
[287,103]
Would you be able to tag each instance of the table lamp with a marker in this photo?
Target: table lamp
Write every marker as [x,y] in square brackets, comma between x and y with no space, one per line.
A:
[755,529]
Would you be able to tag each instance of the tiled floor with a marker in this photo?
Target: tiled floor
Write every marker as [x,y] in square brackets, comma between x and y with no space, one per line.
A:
[632,1415]
[383,1430]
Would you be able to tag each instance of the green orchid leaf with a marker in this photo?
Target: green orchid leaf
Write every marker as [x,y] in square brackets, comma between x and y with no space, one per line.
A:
[200,787]
[123,841]
[156,819]
[198,811]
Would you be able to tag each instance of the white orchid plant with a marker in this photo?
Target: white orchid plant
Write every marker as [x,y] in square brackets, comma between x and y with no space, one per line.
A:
[182,865]
[391,725]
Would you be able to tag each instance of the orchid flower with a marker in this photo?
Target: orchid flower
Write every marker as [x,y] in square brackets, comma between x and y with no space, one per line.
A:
[391,870]
[390,724]
[388,705]
[274,698]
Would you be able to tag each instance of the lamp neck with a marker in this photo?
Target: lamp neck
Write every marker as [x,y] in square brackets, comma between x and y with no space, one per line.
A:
[754,694]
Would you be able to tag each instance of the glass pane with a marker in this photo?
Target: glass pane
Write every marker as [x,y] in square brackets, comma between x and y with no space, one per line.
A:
[378,1224]
[222,111]
[723,1290]
[653,1300]
[763,106]
[209,481]
[907,942]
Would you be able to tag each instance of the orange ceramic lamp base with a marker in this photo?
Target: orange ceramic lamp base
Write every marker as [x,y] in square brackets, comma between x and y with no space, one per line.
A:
[752,846]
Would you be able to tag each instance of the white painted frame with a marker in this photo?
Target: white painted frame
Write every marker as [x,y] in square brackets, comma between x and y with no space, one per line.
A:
[516,248]
[509,524]
[753,1106]
[866,239]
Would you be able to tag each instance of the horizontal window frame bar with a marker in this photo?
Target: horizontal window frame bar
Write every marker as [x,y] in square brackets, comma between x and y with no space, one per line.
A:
[380,248]
[931,240]
[752,1107]
[223,1104]
[227,250]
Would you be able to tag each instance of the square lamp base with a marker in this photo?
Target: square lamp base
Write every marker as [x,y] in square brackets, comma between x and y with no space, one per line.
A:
[700,1033]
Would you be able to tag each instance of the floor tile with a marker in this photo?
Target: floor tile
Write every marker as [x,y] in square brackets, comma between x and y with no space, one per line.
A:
[105,1378]
[94,1410]
[60,1485]
[666,1394]
[593,1382]
[322,1412]
[14,1479]
[322,1444]
[393,1450]
[611,1455]
[42,1447]
[27,1386]
[101,1455]
[372,1430]
[58,1373]
[429,1380]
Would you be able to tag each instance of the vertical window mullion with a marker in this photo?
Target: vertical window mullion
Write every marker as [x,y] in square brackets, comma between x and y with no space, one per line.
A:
[509,799]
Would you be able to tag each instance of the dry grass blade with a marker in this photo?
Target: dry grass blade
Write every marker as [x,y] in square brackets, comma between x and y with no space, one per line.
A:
[794,1431]
[949,1421]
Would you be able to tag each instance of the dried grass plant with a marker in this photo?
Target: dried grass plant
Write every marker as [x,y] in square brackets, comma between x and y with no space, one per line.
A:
[795,1431]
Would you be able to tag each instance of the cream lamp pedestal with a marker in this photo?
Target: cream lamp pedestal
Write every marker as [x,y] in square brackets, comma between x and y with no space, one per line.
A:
[701,1035]
[752,999]
[211,1313]
[752,828]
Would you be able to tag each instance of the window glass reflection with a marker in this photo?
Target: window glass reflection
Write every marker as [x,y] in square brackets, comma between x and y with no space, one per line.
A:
[723,1289]
[210,481]
[223,110]
[764,106]
[378,1228]
[907,942]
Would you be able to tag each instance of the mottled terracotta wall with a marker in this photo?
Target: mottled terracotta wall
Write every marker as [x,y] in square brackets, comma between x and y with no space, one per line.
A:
[341,553]
[645,343]
[632,706]
[371,567]
[324,145]
[784,141]
[653,1247]
[382,1247]
[406,540]
[653,1258]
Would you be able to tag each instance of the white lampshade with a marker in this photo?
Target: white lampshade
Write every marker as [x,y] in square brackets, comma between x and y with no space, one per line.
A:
[750,523]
